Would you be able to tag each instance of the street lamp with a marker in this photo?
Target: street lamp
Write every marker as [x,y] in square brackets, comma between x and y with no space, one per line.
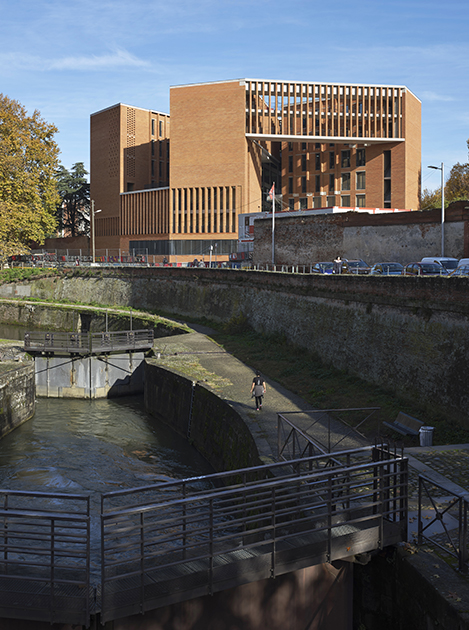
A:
[442,169]
[93,212]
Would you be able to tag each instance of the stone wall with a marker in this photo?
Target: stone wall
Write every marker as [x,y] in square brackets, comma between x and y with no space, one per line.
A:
[198,414]
[400,237]
[17,397]
[407,334]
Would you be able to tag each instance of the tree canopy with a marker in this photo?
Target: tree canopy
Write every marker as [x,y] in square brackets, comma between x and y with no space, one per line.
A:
[456,188]
[28,191]
[73,211]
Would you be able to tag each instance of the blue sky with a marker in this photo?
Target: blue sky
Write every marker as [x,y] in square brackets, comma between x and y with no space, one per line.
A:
[69,58]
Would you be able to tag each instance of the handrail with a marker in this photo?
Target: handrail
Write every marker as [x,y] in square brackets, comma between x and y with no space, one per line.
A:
[88,343]
[459,500]
[209,527]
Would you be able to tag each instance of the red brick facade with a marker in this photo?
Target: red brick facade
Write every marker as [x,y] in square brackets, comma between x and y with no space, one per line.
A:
[177,192]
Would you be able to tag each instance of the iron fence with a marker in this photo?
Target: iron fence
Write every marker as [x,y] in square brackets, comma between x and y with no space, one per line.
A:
[446,506]
[177,540]
[293,441]
[45,557]
[88,343]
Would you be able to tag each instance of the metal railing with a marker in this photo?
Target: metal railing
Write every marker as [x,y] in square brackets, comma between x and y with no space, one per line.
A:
[293,442]
[183,539]
[447,506]
[88,343]
[45,557]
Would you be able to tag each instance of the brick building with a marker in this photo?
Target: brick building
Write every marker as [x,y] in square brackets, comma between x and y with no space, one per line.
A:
[175,185]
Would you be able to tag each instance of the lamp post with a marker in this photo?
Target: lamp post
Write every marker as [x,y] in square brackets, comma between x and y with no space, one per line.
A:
[442,169]
[93,212]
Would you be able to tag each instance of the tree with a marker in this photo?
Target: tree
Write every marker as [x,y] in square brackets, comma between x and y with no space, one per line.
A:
[28,192]
[456,188]
[73,211]
[457,185]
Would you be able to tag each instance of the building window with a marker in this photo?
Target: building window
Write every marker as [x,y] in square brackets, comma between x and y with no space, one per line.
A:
[318,161]
[360,201]
[303,162]
[153,122]
[345,159]
[291,205]
[331,159]
[330,201]
[317,186]
[345,181]
[161,128]
[361,158]
[303,146]
[317,202]
[331,183]
[361,180]
[290,163]
[387,163]
[152,148]
[290,185]
[345,201]
[303,184]
[303,203]
[290,146]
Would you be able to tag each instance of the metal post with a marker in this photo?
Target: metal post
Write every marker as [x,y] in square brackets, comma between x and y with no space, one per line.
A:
[273,224]
[92,231]
[442,209]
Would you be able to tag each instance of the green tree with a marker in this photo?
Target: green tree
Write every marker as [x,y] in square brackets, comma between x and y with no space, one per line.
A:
[73,211]
[28,192]
[457,184]
[456,188]
[430,199]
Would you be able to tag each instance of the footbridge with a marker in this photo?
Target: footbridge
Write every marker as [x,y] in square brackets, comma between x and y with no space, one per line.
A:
[179,540]
[88,365]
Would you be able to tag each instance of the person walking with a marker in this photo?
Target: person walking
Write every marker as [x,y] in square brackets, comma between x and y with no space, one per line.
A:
[258,389]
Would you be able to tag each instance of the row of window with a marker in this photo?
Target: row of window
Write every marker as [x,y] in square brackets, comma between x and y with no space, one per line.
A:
[153,127]
[345,181]
[345,160]
[318,202]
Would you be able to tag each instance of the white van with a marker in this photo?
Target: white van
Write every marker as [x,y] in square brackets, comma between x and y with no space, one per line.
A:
[463,261]
[449,264]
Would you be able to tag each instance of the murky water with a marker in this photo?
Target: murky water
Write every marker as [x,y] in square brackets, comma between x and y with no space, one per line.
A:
[90,447]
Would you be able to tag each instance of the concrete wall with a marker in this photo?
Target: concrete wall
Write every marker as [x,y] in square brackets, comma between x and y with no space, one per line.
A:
[408,334]
[17,397]
[400,237]
[104,376]
[199,415]
[317,598]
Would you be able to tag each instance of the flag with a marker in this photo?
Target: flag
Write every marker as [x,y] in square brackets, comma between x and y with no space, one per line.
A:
[272,191]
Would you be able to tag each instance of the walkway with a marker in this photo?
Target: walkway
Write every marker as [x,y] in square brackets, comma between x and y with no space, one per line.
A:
[198,357]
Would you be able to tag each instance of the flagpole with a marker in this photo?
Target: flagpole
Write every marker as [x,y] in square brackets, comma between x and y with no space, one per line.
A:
[273,224]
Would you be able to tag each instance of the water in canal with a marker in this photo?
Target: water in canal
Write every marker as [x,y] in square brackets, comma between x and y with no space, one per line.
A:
[91,447]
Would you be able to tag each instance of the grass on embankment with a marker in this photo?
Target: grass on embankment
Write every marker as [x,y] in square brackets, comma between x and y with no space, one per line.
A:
[325,387]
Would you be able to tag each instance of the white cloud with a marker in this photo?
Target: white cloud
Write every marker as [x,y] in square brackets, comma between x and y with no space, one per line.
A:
[433,96]
[117,59]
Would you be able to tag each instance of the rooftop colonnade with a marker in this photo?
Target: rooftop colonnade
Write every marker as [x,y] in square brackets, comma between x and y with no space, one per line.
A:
[176,186]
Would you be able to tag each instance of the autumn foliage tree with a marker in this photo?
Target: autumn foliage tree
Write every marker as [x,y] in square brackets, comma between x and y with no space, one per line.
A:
[456,188]
[28,190]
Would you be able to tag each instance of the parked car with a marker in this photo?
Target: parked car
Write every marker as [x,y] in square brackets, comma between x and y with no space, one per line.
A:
[463,261]
[462,271]
[424,269]
[387,269]
[448,263]
[355,266]
[323,267]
